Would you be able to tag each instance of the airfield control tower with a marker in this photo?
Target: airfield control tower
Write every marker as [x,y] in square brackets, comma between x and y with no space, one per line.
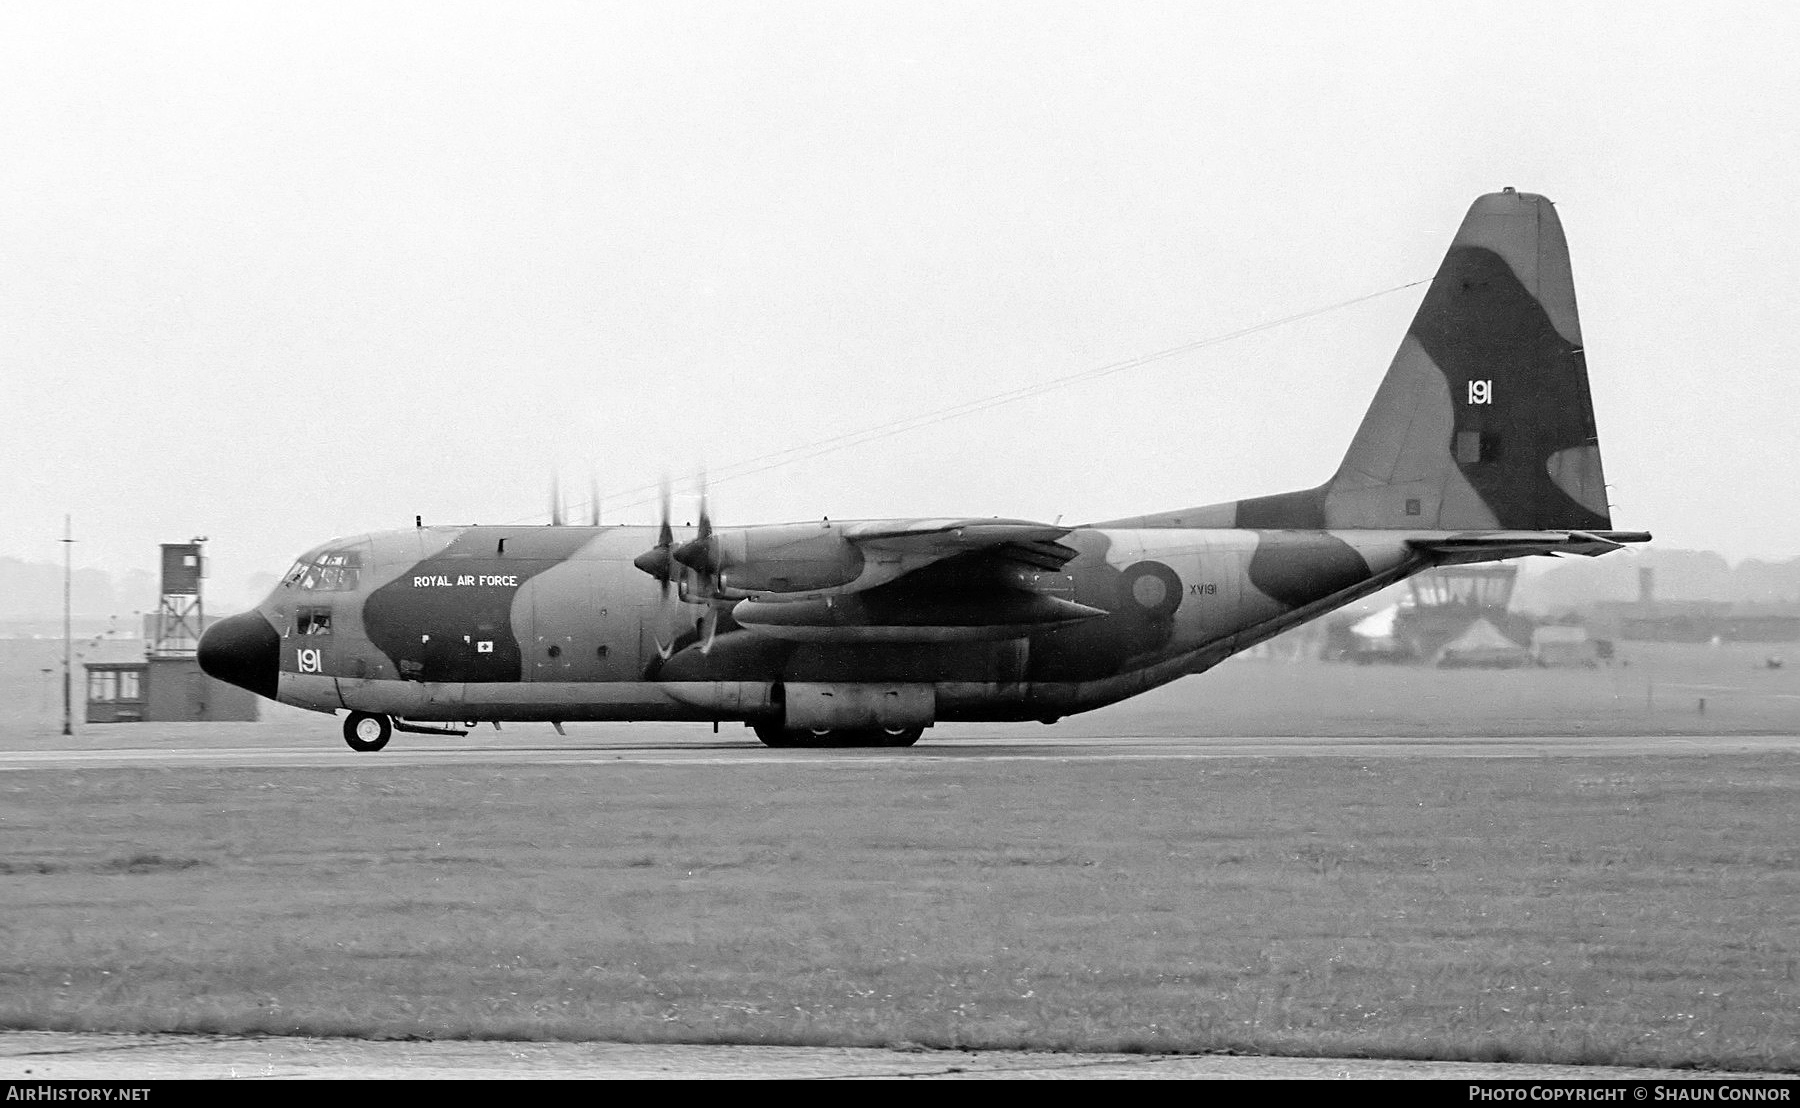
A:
[1455,615]
[173,631]
[165,684]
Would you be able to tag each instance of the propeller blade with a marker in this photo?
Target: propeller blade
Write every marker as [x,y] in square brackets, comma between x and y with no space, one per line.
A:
[701,554]
[556,504]
[593,501]
[659,560]
[666,536]
[705,517]
[711,631]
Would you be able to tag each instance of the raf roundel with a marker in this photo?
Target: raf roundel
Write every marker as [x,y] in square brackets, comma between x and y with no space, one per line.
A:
[1152,588]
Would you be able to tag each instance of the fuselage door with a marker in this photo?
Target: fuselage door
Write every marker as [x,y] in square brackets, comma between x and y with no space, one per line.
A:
[568,616]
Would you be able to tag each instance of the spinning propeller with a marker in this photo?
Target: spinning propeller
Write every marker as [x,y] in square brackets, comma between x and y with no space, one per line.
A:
[559,516]
[694,567]
[702,554]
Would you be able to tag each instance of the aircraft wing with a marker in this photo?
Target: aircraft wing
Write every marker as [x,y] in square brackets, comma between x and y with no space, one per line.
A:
[939,580]
[1032,543]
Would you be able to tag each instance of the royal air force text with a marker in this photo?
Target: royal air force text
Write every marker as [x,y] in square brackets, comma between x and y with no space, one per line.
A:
[465,580]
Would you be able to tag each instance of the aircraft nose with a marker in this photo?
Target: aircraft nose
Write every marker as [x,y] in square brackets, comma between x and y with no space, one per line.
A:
[242,650]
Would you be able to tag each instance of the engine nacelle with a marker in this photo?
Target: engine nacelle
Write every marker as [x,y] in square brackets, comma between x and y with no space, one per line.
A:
[797,557]
[850,707]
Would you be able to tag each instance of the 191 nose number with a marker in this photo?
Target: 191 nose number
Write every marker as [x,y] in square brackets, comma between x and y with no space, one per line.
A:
[308,660]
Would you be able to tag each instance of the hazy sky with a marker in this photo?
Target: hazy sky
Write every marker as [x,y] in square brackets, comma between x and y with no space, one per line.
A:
[273,273]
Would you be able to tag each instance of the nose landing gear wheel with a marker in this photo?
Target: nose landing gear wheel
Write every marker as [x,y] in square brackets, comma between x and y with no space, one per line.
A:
[366,732]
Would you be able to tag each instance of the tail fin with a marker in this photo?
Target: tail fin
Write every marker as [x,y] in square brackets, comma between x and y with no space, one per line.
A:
[1484,420]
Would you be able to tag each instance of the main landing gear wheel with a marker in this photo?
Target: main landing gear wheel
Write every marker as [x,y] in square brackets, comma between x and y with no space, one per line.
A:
[366,732]
[775,736]
[904,736]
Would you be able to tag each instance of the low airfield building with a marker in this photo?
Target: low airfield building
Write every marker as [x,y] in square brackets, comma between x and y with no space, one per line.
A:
[1651,618]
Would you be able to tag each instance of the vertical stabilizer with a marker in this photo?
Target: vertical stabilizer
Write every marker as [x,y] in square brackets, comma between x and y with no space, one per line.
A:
[1484,419]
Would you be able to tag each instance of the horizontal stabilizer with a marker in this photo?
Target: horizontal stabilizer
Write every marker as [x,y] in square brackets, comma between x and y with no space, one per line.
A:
[1491,545]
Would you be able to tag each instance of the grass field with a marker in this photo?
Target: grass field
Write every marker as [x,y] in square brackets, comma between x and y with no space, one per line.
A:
[1632,910]
[1615,910]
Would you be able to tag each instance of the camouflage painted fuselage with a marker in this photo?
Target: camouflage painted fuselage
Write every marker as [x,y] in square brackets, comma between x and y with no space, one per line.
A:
[1480,445]
[555,623]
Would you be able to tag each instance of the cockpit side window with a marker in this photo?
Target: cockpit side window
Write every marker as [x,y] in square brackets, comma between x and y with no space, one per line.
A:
[312,620]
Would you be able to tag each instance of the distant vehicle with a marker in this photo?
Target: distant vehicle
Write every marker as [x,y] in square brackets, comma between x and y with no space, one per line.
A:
[1554,645]
[1480,445]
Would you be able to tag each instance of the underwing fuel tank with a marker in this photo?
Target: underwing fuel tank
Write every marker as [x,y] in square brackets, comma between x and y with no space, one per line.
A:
[857,619]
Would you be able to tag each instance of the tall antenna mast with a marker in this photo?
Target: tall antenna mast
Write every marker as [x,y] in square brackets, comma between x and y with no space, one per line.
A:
[68,541]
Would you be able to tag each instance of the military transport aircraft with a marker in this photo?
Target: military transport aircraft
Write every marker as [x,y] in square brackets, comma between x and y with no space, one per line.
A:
[1480,445]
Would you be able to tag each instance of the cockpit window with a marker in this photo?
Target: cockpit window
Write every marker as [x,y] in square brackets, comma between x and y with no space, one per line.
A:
[332,571]
[312,621]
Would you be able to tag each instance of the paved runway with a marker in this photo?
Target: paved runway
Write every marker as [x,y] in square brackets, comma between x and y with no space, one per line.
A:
[40,1055]
[262,750]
